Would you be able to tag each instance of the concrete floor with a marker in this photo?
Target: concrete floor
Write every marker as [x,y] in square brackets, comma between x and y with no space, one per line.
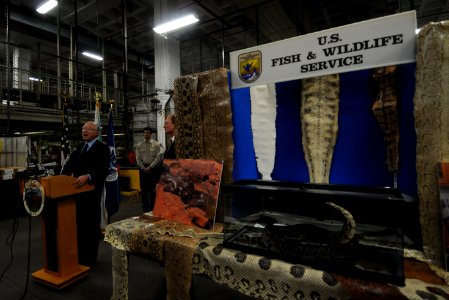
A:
[146,278]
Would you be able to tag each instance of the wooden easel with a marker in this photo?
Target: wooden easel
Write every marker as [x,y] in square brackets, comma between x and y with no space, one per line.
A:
[59,234]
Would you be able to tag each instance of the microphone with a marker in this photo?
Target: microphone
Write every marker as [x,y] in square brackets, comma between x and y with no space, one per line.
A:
[66,160]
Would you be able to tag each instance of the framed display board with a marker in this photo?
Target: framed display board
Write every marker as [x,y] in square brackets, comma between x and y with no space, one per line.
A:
[188,191]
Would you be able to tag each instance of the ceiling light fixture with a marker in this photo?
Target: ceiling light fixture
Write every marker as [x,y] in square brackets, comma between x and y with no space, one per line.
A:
[34,79]
[43,132]
[175,24]
[92,55]
[47,6]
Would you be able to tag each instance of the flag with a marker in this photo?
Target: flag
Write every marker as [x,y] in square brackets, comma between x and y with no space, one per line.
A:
[104,212]
[65,149]
[112,198]
[97,119]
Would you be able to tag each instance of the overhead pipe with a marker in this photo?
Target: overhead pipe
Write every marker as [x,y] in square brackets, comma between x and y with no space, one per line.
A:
[222,47]
[38,92]
[77,11]
[58,55]
[212,13]
[78,104]
[8,77]
[71,93]
[125,76]
[104,72]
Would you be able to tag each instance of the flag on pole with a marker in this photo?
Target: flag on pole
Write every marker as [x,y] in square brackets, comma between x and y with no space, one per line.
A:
[65,145]
[97,119]
[104,213]
[112,185]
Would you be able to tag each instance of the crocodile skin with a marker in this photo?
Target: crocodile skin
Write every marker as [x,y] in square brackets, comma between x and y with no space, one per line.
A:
[319,124]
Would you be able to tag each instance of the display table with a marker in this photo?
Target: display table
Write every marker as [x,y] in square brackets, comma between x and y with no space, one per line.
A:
[185,251]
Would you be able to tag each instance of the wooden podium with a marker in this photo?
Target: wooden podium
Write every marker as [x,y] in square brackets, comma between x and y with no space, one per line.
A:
[59,234]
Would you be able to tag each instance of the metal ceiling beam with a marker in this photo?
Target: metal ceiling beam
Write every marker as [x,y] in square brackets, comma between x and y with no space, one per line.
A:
[41,30]
[212,13]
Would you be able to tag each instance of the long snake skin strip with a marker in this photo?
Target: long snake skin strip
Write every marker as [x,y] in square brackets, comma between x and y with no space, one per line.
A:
[215,103]
[319,124]
[385,111]
[445,103]
[263,120]
[189,137]
[431,92]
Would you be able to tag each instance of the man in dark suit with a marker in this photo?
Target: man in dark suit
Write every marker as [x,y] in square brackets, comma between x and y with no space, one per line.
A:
[170,130]
[89,164]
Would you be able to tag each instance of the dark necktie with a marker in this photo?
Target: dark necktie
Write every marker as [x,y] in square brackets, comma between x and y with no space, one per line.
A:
[85,147]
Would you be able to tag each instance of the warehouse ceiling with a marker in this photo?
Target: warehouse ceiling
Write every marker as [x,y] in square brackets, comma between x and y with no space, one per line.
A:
[99,25]
[232,23]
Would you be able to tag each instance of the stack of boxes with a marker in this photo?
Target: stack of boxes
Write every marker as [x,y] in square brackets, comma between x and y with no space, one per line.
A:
[8,173]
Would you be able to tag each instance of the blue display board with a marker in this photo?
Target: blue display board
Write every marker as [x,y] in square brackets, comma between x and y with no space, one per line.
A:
[360,151]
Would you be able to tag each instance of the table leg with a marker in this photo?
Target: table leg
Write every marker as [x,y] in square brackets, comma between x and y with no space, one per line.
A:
[120,260]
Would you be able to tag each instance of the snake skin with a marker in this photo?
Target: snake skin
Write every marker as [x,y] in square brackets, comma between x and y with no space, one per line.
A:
[189,138]
[204,118]
[307,241]
[273,279]
[319,124]
[252,275]
[216,115]
[385,111]
[430,95]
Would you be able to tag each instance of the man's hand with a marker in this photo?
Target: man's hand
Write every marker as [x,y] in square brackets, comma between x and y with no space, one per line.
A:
[80,181]
[147,170]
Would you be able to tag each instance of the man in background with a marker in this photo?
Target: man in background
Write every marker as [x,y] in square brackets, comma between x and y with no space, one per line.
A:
[89,164]
[149,157]
[170,130]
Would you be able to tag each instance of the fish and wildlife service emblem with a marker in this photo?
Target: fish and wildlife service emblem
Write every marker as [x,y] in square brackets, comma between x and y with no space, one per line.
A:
[250,66]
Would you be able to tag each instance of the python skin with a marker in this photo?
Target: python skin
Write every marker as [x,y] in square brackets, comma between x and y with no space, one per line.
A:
[204,118]
[385,111]
[431,96]
[319,124]
[216,116]
[308,241]
[189,136]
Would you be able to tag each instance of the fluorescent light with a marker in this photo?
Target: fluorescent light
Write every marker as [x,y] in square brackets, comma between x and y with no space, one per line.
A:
[91,55]
[176,24]
[417,30]
[47,6]
[115,134]
[33,132]
[34,79]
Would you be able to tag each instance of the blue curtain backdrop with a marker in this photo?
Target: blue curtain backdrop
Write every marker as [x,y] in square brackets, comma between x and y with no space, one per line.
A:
[360,152]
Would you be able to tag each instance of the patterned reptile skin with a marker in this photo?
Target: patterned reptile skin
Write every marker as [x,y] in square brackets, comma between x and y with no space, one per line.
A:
[431,96]
[204,118]
[319,123]
[385,111]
